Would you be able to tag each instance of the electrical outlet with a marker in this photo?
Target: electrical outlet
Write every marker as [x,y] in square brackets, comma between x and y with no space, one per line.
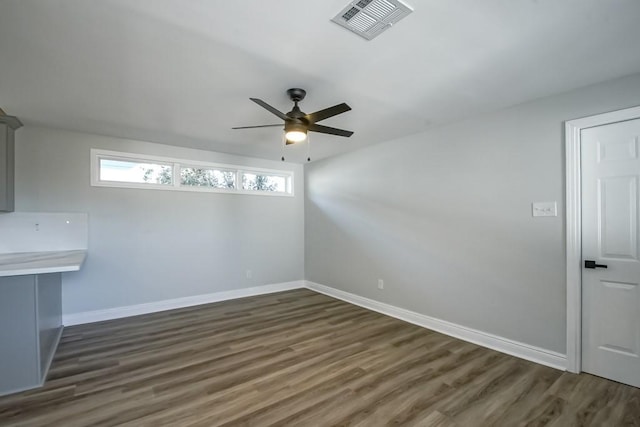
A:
[249,274]
[380,284]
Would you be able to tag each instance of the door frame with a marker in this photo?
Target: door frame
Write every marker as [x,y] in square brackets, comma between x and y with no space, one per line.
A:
[573,193]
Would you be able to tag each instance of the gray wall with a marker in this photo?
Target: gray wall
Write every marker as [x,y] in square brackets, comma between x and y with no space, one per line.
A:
[151,245]
[444,217]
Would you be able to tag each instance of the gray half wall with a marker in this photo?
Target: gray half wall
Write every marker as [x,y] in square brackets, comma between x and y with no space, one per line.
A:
[444,218]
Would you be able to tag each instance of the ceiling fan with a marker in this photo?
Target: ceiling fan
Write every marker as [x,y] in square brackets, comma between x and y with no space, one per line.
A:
[297,123]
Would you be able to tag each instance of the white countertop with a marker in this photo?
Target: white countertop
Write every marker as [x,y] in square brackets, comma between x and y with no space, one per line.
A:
[21,263]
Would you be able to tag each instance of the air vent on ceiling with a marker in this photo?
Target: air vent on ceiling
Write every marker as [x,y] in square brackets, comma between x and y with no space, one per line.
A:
[368,18]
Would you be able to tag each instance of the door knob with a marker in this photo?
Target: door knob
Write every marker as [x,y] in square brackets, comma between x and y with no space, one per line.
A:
[592,264]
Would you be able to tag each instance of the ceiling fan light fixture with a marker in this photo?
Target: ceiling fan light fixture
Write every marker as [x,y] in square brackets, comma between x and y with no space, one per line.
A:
[295,136]
[295,132]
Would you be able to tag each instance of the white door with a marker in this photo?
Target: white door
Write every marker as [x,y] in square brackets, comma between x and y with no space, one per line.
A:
[611,296]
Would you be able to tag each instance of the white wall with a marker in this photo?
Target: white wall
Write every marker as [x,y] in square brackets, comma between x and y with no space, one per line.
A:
[444,217]
[151,245]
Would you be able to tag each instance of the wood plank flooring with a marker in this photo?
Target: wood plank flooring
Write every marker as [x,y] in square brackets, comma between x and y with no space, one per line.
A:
[300,358]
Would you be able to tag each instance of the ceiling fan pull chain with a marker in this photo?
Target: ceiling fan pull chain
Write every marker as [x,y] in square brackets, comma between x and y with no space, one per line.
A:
[308,148]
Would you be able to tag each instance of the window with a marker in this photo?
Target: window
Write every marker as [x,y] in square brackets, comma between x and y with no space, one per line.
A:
[206,177]
[135,172]
[261,182]
[128,170]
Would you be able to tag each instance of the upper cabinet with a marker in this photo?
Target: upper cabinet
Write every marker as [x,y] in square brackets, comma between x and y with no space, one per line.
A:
[8,125]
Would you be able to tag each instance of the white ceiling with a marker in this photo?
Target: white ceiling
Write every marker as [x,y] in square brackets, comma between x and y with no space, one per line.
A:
[181,71]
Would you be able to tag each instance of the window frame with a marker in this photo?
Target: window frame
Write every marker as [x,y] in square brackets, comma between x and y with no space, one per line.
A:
[177,164]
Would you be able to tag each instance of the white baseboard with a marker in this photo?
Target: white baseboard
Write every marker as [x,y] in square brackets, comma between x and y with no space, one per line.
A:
[504,345]
[494,342]
[152,307]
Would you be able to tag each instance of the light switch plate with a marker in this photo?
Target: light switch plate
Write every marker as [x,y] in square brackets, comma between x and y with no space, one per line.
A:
[544,209]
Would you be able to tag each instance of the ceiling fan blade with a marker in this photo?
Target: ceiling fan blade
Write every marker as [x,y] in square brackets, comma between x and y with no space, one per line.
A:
[266,106]
[260,126]
[328,112]
[326,129]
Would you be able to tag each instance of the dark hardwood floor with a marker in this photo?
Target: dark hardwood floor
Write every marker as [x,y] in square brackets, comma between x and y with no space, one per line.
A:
[300,358]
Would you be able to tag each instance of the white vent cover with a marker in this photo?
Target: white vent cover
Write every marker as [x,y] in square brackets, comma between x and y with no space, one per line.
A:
[368,18]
